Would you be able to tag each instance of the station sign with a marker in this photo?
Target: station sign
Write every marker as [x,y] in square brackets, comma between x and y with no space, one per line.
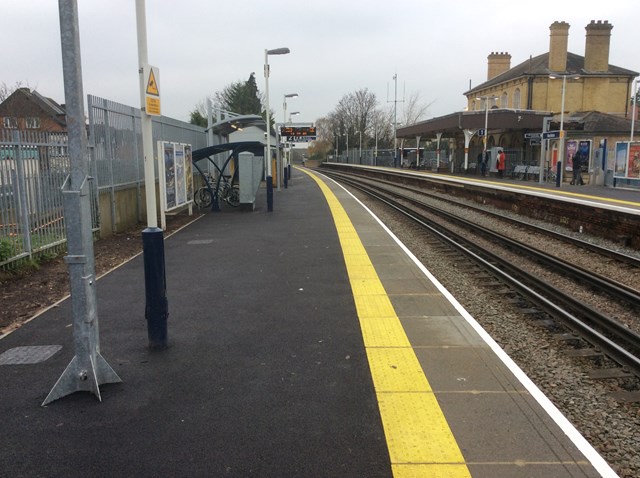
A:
[533,136]
[299,139]
[482,132]
[298,131]
[551,135]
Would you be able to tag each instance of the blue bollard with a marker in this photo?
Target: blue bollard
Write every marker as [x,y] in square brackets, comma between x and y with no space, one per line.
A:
[156,307]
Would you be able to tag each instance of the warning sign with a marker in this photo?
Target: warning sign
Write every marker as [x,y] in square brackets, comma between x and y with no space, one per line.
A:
[152,85]
[152,91]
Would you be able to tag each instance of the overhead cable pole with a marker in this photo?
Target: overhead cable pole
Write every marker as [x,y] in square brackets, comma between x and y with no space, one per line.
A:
[88,369]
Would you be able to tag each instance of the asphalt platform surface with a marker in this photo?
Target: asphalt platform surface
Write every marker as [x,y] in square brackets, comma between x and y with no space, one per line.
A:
[264,376]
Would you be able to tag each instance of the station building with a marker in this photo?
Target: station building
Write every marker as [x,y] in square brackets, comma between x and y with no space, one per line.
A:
[517,104]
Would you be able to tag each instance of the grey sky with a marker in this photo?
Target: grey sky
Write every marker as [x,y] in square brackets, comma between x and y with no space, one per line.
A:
[200,46]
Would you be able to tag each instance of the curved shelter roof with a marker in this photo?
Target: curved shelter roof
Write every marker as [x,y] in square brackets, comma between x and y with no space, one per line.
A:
[235,123]
[254,147]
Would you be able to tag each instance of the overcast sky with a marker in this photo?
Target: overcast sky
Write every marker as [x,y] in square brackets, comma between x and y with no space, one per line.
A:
[437,48]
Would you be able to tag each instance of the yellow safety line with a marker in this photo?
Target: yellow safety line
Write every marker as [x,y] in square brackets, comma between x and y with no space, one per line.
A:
[419,439]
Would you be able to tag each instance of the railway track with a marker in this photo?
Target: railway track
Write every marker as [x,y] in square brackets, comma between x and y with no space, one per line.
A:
[604,334]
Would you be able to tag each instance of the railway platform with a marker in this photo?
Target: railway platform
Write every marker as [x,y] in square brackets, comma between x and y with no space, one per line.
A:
[303,342]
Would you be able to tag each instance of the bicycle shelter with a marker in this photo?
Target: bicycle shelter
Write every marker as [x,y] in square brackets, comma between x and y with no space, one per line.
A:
[246,164]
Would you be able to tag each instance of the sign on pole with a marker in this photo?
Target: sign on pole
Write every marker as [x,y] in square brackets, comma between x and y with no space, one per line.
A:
[152,90]
[551,135]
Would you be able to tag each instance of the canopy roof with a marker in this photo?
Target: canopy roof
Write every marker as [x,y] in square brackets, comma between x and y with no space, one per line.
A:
[254,147]
[236,123]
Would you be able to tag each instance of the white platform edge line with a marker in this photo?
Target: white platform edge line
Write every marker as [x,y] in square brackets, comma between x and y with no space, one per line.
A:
[554,413]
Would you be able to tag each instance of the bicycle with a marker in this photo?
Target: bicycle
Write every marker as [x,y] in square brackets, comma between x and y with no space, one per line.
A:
[228,192]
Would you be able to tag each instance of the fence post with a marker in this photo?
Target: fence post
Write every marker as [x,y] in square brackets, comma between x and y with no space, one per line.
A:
[23,203]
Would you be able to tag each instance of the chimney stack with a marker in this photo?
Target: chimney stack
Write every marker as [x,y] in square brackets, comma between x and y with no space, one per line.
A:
[498,63]
[558,41]
[596,50]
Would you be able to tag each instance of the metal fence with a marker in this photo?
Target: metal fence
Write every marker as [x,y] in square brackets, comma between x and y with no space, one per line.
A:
[34,165]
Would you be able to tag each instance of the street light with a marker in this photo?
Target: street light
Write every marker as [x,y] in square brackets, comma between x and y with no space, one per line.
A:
[561,147]
[633,112]
[293,113]
[360,149]
[277,51]
[284,170]
[486,119]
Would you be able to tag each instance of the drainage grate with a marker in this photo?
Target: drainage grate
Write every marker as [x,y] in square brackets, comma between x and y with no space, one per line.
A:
[28,355]
[200,241]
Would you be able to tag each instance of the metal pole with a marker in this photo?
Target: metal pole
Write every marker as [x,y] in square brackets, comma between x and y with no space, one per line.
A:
[543,149]
[268,153]
[486,123]
[633,113]
[88,369]
[156,305]
[561,147]
[395,121]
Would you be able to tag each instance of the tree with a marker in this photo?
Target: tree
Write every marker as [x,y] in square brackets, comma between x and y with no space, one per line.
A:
[353,114]
[6,90]
[319,149]
[241,97]
[197,118]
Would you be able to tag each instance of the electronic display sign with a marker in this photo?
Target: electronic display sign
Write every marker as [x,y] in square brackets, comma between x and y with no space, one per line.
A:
[298,131]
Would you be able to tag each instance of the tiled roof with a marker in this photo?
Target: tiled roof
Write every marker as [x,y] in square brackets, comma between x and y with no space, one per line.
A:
[539,66]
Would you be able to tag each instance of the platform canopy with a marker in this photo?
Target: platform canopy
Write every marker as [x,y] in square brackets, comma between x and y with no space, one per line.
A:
[254,147]
[237,123]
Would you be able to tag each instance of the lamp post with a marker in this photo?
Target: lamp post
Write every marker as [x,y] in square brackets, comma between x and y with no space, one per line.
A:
[284,121]
[486,119]
[561,146]
[633,112]
[360,148]
[277,51]
[347,135]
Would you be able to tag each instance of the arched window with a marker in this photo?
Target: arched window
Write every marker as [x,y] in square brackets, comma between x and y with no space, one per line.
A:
[516,99]
[504,101]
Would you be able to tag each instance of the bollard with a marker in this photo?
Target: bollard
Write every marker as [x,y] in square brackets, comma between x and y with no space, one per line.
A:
[558,173]
[269,193]
[156,307]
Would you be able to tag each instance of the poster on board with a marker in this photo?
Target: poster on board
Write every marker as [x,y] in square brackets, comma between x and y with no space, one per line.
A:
[621,159]
[633,168]
[176,178]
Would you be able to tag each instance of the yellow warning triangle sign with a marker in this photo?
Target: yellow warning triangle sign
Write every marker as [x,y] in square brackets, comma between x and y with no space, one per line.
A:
[152,85]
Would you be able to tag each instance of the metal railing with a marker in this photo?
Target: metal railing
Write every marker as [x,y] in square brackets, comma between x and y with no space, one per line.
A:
[34,165]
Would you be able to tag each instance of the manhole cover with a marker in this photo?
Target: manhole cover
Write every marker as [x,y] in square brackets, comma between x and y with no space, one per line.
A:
[28,355]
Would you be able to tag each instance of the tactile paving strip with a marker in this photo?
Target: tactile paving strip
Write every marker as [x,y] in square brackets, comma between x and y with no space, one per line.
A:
[28,355]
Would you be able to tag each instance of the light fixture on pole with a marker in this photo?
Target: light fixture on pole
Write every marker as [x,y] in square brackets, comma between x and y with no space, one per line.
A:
[561,146]
[347,135]
[283,168]
[486,119]
[293,113]
[633,112]
[269,178]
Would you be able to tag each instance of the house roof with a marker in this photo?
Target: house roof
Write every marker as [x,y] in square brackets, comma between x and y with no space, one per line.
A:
[539,66]
[48,106]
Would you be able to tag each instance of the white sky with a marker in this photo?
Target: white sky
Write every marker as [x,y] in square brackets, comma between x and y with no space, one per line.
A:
[337,47]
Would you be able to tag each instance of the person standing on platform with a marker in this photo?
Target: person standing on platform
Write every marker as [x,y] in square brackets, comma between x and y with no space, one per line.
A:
[481,164]
[578,160]
[501,163]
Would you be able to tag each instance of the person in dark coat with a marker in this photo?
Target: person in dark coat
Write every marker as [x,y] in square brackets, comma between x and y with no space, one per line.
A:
[578,161]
